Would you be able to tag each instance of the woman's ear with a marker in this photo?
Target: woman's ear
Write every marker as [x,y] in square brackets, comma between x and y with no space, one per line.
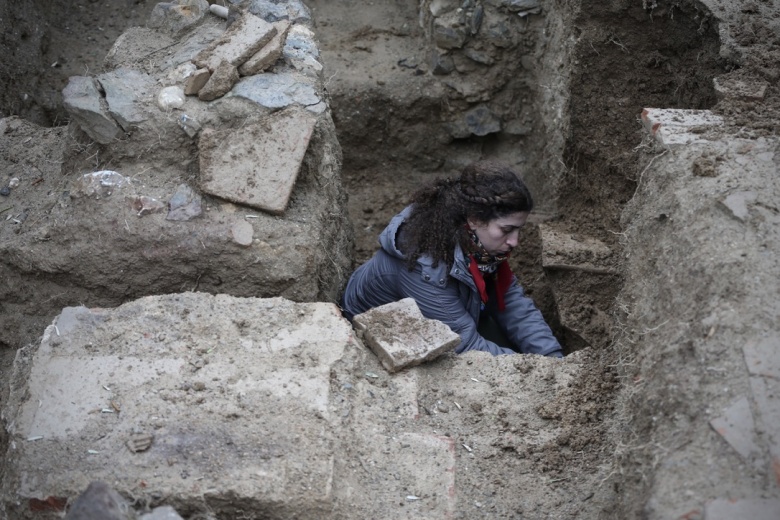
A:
[472,224]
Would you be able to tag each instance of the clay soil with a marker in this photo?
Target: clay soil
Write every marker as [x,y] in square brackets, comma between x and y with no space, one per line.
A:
[621,64]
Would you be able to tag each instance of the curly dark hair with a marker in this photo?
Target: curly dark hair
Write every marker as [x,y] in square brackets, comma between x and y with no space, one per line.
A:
[486,190]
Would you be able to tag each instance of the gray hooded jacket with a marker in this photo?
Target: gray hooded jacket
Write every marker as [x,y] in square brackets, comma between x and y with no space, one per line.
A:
[450,297]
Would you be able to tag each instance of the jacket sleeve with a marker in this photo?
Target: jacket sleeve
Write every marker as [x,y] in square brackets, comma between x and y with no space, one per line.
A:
[524,325]
[443,304]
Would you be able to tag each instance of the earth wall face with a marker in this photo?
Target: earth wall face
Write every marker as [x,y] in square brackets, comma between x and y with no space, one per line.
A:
[73,234]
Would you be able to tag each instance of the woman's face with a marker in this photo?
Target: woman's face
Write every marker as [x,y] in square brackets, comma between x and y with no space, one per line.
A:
[500,235]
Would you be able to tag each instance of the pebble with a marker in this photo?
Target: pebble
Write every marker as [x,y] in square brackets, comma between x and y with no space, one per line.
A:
[14,183]
[5,191]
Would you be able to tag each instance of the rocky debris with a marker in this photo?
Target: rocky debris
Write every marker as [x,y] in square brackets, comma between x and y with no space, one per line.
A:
[267,56]
[479,121]
[303,255]
[242,233]
[239,43]
[220,82]
[196,81]
[677,127]
[85,105]
[185,204]
[256,165]
[100,502]
[175,17]
[402,337]
[125,89]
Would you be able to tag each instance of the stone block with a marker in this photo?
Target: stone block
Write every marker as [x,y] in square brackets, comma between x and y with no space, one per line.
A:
[752,508]
[196,81]
[736,426]
[747,89]
[676,127]
[221,81]
[239,43]
[256,165]
[82,101]
[267,56]
[125,91]
[402,337]
[234,391]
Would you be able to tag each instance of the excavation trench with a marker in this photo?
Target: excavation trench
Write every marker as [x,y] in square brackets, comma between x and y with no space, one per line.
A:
[417,91]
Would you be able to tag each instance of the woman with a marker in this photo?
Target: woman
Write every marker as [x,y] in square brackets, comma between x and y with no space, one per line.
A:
[448,250]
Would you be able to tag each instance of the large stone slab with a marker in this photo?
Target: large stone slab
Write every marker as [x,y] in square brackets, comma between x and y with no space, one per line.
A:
[402,337]
[216,402]
[256,165]
[277,90]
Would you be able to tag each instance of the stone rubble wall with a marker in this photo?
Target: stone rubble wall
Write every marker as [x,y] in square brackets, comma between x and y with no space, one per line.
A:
[153,191]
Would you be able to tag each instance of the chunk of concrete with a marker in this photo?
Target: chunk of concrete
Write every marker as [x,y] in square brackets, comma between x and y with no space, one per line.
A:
[762,357]
[210,376]
[221,81]
[737,427]
[677,127]
[402,337]
[83,102]
[125,91]
[752,508]
[256,165]
[239,43]
[267,56]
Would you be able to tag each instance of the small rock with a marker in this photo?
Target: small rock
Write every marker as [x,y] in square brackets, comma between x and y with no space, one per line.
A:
[99,502]
[174,18]
[140,442]
[478,121]
[5,191]
[269,54]
[82,100]
[98,184]
[737,203]
[443,408]
[184,205]
[196,81]
[219,10]
[478,56]
[170,98]
[220,82]
[242,233]
[144,205]
[440,7]
[442,64]
[13,183]
[448,37]
[180,74]
[476,19]
[189,124]
[162,512]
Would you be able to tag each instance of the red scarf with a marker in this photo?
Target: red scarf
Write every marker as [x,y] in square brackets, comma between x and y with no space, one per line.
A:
[503,281]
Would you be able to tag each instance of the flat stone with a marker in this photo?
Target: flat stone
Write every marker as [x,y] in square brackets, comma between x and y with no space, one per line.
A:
[242,233]
[727,87]
[744,508]
[233,418]
[274,11]
[221,81]
[125,90]
[762,357]
[736,426]
[196,81]
[184,205]
[256,165]
[174,18]
[677,127]
[737,203]
[267,56]
[402,337]
[82,101]
[276,90]
[239,43]
[766,396]
[197,41]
